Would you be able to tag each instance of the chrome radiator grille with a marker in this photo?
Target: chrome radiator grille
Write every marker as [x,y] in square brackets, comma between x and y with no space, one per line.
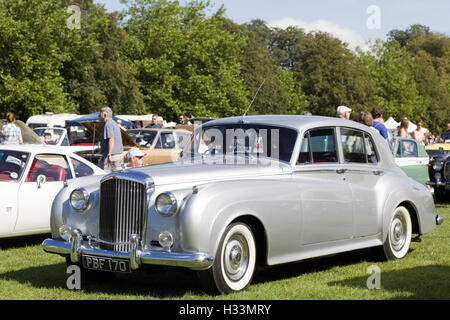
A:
[122,212]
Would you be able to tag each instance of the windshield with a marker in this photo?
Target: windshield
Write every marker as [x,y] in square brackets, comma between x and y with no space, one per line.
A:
[243,139]
[12,164]
[144,138]
[50,136]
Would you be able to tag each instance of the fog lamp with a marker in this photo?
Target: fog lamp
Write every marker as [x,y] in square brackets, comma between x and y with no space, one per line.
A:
[437,176]
[165,239]
[64,232]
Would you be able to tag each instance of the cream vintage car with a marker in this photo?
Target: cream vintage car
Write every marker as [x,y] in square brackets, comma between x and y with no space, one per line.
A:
[159,145]
[264,190]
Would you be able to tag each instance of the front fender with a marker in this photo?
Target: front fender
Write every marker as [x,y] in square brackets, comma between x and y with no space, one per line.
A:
[214,206]
[63,213]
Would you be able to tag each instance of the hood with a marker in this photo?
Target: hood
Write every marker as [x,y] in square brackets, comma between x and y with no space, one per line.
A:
[203,171]
[28,135]
[97,127]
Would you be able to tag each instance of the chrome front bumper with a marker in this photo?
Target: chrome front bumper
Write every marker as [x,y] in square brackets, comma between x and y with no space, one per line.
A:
[77,247]
[445,184]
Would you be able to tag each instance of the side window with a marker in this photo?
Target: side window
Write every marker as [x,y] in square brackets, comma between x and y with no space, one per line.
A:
[81,170]
[183,140]
[53,167]
[65,142]
[305,153]
[370,149]
[319,144]
[407,149]
[165,141]
[353,146]
[323,145]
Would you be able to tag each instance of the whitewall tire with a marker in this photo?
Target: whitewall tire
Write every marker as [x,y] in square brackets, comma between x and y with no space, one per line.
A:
[234,263]
[398,239]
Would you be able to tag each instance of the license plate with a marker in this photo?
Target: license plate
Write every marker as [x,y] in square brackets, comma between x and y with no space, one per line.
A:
[106,264]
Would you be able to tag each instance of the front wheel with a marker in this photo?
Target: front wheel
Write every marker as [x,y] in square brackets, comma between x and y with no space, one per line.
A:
[398,240]
[234,263]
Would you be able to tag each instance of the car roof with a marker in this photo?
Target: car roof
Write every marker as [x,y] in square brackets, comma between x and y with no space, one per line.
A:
[297,122]
[159,129]
[35,148]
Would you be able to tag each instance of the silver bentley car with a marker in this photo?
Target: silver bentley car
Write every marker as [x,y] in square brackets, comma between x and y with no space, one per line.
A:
[247,190]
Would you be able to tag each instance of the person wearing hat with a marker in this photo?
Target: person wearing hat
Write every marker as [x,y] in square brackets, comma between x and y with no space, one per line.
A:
[135,157]
[343,112]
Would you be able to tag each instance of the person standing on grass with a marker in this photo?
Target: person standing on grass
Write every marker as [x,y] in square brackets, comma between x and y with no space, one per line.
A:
[110,142]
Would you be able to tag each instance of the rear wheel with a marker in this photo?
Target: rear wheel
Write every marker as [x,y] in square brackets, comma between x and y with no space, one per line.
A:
[234,263]
[398,240]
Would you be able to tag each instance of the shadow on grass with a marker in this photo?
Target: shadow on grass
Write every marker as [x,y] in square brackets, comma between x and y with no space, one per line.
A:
[155,282]
[24,241]
[296,269]
[425,282]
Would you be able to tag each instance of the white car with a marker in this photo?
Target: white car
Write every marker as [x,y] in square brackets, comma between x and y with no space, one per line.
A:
[30,177]
[59,137]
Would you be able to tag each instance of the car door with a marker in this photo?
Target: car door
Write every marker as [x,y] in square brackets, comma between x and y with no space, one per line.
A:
[45,179]
[412,158]
[326,198]
[361,170]
[12,169]
[164,148]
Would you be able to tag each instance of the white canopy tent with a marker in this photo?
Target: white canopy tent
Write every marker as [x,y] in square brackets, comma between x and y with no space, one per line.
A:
[391,124]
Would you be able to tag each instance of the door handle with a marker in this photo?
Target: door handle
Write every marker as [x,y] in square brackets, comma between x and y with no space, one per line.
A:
[378,172]
[341,171]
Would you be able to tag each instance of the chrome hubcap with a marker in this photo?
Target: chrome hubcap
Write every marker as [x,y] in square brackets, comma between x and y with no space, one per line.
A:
[398,232]
[236,257]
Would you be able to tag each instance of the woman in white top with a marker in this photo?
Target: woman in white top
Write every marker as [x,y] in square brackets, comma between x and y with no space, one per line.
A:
[11,134]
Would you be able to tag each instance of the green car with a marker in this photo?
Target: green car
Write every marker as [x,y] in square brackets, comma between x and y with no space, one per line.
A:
[412,158]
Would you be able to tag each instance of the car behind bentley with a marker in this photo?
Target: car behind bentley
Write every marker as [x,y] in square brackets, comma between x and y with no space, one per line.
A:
[248,190]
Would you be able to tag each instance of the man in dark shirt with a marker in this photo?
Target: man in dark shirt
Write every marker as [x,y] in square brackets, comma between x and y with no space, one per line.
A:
[155,123]
[110,142]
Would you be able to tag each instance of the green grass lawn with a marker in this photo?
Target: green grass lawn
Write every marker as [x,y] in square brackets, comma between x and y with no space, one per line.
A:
[26,272]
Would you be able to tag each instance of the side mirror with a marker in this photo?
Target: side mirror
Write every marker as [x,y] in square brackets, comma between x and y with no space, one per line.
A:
[41,179]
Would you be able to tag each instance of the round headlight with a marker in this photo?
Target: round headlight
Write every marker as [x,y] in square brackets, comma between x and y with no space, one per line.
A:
[166,204]
[437,166]
[79,199]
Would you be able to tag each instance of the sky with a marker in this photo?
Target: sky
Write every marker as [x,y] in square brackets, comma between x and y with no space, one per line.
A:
[353,21]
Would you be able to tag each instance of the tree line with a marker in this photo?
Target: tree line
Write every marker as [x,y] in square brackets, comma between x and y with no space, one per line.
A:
[159,56]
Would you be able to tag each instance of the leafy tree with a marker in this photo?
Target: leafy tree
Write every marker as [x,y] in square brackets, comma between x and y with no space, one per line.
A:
[186,62]
[431,71]
[97,73]
[280,93]
[396,91]
[33,40]
[327,71]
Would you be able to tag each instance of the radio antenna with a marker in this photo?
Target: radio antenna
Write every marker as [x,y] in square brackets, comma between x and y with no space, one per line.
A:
[254,97]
